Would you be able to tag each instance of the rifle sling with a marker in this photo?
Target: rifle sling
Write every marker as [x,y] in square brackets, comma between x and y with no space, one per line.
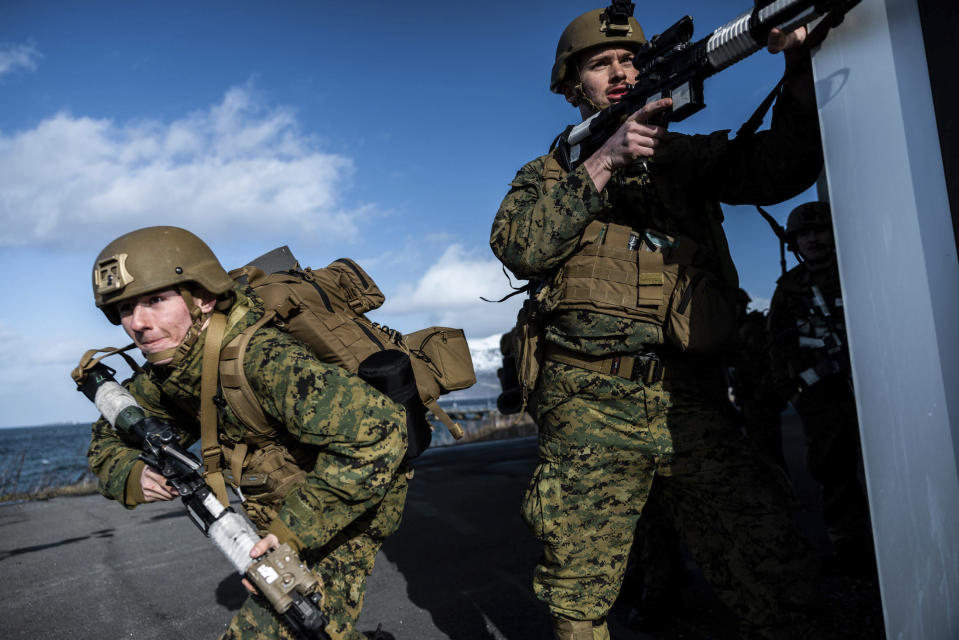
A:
[813,39]
[90,360]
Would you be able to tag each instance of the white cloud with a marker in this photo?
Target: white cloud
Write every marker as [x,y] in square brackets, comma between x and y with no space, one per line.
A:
[14,57]
[448,294]
[35,385]
[237,168]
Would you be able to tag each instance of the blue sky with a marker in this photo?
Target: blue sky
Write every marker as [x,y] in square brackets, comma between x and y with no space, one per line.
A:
[383,131]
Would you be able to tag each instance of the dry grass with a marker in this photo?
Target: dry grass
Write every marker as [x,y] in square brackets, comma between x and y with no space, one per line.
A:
[83,487]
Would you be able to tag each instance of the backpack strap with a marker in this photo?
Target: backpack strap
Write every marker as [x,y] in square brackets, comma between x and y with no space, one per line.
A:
[237,392]
[455,429]
[212,468]
[229,377]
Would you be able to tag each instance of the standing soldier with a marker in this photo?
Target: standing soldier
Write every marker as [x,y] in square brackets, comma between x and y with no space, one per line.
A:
[618,401]
[811,369]
[325,478]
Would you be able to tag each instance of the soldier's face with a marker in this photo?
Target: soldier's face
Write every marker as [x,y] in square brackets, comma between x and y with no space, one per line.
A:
[158,320]
[605,73]
[815,245]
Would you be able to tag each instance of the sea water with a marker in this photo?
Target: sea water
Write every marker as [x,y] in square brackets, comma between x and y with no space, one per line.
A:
[35,458]
[50,456]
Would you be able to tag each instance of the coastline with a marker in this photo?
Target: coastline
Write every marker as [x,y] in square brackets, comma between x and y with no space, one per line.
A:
[491,427]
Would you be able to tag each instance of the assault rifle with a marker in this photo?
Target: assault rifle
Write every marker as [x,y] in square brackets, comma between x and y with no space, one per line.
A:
[670,66]
[279,575]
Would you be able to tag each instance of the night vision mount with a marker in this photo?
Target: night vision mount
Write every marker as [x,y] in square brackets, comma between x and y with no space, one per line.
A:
[616,17]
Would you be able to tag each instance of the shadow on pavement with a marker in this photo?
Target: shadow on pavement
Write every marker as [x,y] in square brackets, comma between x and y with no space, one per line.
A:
[465,554]
[231,593]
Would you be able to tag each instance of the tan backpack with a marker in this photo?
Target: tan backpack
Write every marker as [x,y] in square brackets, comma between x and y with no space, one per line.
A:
[324,308]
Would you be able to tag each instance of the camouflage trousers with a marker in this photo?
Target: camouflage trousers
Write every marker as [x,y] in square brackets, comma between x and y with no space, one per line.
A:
[603,440]
[343,564]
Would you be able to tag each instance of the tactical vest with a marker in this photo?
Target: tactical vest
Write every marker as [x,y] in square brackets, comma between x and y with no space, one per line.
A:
[639,274]
[648,276]
[818,331]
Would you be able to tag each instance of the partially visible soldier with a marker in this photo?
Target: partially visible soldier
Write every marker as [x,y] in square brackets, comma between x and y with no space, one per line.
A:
[751,380]
[810,362]
[618,404]
[328,480]
[510,400]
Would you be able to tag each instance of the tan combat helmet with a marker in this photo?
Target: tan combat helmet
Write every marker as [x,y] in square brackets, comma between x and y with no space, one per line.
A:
[154,259]
[614,25]
[810,215]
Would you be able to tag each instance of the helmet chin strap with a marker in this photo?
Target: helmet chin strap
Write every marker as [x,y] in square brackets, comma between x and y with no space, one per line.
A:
[177,353]
[580,98]
[579,94]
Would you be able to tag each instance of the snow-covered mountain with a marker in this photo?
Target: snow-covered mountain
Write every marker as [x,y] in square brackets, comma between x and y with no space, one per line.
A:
[486,354]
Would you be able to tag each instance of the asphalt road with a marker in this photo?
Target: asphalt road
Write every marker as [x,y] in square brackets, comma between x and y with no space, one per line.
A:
[460,566]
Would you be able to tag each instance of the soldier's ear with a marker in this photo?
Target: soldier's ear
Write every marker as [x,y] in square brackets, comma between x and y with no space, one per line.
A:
[204,300]
[572,92]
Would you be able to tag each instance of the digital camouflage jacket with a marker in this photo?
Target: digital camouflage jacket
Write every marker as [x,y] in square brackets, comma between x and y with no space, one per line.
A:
[540,222]
[355,435]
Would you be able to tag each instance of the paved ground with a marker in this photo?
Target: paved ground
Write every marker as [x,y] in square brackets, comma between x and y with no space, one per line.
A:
[459,567]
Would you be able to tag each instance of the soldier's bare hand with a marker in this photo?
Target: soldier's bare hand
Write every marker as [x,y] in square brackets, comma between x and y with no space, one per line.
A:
[781,41]
[155,486]
[261,547]
[635,139]
[797,84]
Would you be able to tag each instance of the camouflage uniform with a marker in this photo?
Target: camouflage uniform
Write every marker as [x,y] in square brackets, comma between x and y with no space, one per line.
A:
[353,495]
[604,438]
[827,408]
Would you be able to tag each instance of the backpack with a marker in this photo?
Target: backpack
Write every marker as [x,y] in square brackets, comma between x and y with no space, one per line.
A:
[324,309]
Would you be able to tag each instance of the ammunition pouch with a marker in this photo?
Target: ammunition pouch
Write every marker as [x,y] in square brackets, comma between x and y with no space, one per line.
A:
[444,353]
[527,348]
[441,363]
[263,475]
